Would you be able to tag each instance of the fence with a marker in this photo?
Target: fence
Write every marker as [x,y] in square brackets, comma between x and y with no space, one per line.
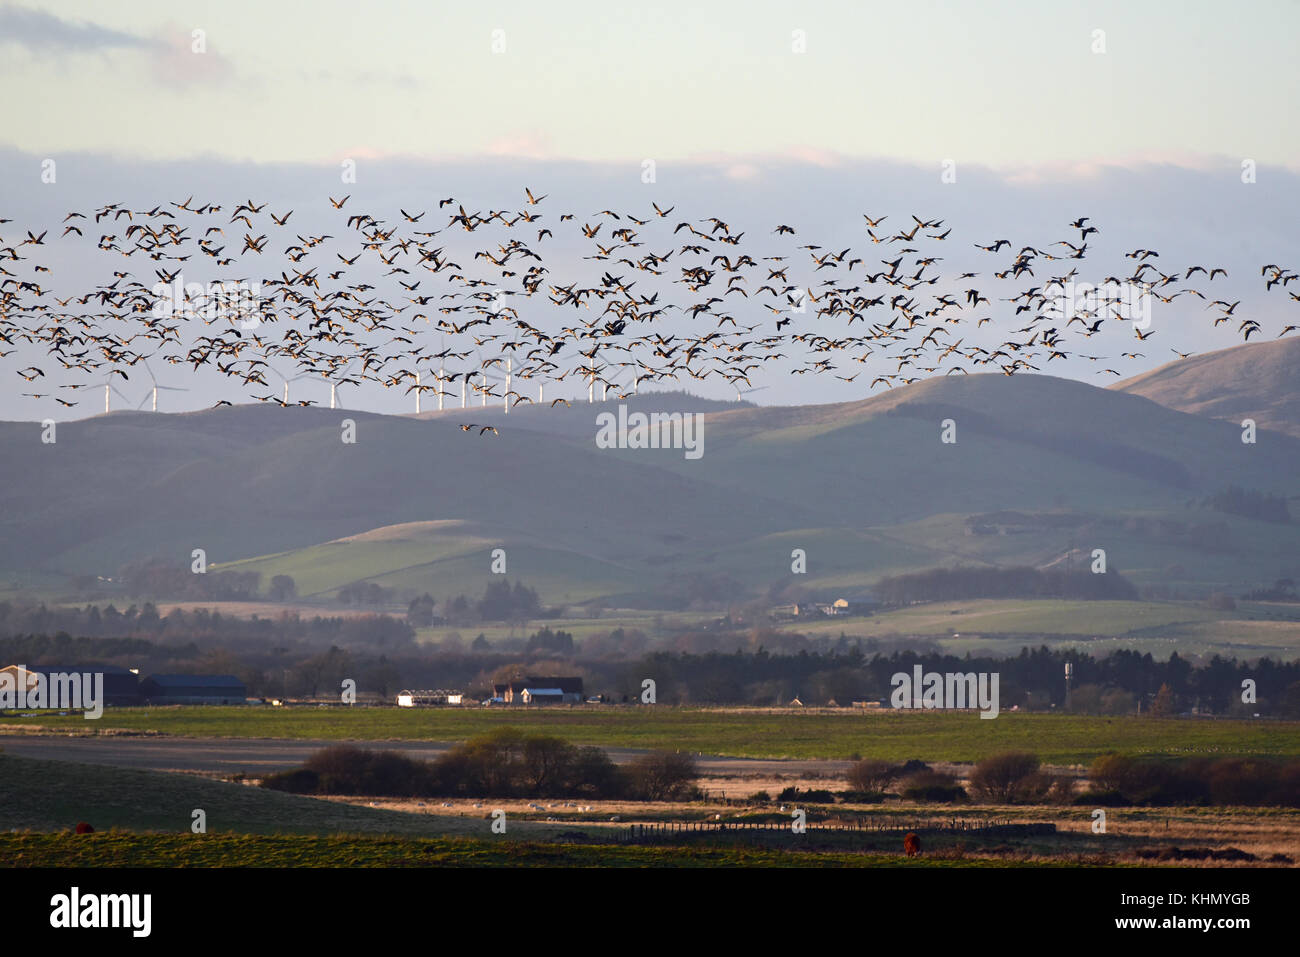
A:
[991,827]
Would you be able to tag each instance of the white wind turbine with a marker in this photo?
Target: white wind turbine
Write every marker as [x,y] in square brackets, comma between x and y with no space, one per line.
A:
[156,387]
[509,381]
[591,371]
[109,389]
[441,377]
[338,381]
[591,377]
[636,368]
[541,386]
[464,384]
[286,381]
[485,387]
[442,370]
[740,393]
[420,387]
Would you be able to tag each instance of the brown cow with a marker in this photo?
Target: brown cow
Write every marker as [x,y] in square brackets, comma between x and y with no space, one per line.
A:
[911,844]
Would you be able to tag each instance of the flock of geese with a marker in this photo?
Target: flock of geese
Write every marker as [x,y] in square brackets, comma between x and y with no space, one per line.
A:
[667,298]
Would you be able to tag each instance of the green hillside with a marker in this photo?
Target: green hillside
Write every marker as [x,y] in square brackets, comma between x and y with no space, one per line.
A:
[865,488]
[1260,381]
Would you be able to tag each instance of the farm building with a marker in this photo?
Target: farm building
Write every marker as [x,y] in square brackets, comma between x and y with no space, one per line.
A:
[424,699]
[193,689]
[840,606]
[121,687]
[541,696]
[548,689]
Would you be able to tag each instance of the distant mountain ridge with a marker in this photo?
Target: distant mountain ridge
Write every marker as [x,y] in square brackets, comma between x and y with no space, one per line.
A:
[1259,380]
[867,488]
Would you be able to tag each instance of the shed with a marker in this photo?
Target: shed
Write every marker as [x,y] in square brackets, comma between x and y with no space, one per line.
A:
[193,689]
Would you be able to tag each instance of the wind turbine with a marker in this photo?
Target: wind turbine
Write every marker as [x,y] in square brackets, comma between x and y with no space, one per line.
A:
[109,388]
[744,392]
[166,388]
[419,387]
[619,375]
[541,387]
[484,389]
[591,377]
[443,379]
[442,370]
[590,371]
[637,377]
[464,385]
[341,380]
[286,381]
[509,380]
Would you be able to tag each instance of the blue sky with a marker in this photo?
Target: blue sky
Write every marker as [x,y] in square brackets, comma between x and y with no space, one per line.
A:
[1147,137]
[1003,83]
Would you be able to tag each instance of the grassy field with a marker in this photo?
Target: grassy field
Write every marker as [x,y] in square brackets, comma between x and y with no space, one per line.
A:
[1004,626]
[219,850]
[655,625]
[891,735]
[1028,617]
[446,557]
[142,819]
[54,795]
[997,626]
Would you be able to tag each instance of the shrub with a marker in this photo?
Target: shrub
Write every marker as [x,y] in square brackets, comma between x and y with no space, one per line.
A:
[296,781]
[872,775]
[1061,790]
[1008,778]
[1248,782]
[933,786]
[812,795]
[504,763]
[349,770]
[862,797]
[1101,799]
[1221,601]
[662,776]
[1112,772]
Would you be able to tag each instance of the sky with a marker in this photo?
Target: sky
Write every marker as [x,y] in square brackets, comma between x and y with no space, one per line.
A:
[1007,84]
[1138,114]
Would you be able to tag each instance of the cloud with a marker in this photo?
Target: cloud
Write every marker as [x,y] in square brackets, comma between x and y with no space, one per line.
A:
[1074,171]
[177,61]
[171,53]
[742,171]
[527,145]
[44,32]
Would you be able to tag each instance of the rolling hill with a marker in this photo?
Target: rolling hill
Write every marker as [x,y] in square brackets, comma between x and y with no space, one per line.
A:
[867,488]
[1260,381]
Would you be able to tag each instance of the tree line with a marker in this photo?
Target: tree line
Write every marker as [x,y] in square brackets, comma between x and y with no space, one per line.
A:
[297,656]
[1250,503]
[505,763]
[201,624]
[968,582]
[1115,780]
